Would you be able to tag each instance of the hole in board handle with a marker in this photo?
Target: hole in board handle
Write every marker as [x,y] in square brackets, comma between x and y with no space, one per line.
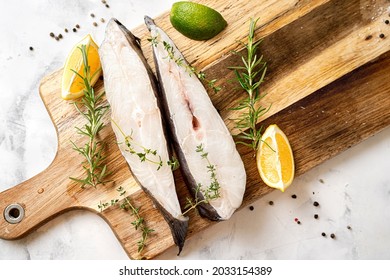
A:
[14,213]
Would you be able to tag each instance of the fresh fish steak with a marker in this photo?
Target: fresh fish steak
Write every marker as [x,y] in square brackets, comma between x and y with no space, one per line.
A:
[194,122]
[132,90]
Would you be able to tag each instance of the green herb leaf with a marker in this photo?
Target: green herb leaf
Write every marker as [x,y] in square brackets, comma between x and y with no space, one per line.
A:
[250,76]
[92,151]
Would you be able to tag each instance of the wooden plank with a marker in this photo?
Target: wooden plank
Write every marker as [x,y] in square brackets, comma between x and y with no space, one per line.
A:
[320,83]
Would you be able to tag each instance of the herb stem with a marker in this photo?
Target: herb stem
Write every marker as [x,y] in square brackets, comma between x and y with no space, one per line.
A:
[138,223]
[211,192]
[179,60]
[94,166]
[146,153]
[250,76]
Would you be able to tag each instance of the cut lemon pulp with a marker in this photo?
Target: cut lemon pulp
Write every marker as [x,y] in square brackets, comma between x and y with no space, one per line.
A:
[72,85]
[275,160]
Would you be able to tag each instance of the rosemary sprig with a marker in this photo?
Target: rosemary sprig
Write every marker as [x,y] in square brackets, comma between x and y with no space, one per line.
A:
[250,76]
[94,165]
[179,60]
[209,193]
[138,223]
[145,154]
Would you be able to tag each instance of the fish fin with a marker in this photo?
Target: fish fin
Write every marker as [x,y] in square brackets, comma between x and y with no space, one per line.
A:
[149,22]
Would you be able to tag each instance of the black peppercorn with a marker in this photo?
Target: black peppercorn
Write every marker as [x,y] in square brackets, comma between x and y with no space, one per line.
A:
[251,208]
[298,222]
[316,203]
[60,36]
[66,30]
[77,26]
[52,34]
[31,48]
[271,203]
[315,216]
[92,15]
[349,227]
[294,196]
[107,6]
[74,30]
[332,236]
[387,21]
[323,234]
[381,35]
[95,24]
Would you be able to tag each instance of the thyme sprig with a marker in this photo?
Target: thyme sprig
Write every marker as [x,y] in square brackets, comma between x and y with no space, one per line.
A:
[145,154]
[250,76]
[179,60]
[94,164]
[209,193]
[138,223]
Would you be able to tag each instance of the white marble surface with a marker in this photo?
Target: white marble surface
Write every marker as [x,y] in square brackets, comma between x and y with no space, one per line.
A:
[353,189]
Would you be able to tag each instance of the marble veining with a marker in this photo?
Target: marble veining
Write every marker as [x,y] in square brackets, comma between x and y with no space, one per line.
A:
[352,189]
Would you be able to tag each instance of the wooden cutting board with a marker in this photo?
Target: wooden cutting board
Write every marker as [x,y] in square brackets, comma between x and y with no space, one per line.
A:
[327,81]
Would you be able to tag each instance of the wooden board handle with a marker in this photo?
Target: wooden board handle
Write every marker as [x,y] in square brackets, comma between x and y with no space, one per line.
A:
[40,198]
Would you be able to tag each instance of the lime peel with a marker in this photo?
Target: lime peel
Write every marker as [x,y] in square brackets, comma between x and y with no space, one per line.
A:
[196,21]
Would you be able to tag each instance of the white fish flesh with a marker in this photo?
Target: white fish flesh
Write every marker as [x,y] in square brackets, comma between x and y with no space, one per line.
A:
[132,91]
[194,121]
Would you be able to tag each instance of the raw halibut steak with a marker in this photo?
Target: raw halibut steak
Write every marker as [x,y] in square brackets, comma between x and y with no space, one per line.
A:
[195,123]
[132,92]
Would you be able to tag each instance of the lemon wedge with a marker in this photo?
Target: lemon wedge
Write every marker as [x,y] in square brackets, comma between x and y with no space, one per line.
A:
[275,160]
[72,86]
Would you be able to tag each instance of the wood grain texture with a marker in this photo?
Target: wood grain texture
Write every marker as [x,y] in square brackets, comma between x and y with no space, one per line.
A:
[327,81]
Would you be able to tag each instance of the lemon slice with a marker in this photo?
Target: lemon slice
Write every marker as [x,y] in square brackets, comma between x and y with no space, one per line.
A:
[72,85]
[275,160]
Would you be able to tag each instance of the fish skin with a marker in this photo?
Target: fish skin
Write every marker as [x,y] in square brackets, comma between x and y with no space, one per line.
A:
[185,100]
[132,91]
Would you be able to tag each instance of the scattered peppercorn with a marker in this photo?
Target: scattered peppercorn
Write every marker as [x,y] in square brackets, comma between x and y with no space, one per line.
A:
[52,34]
[315,216]
[321,181]
[57,38]
[66,30]
[271,203]
[368,37]
[323,234]
[381,35]
[107,6]
[102,20]
[31,48]
[60,36]
[95,24]
[316,203]
[298,222]
[251,208]
[74,30]
[294,196]
[387,21]
[77,26]
[332,236]
[93,15]
[349,227]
